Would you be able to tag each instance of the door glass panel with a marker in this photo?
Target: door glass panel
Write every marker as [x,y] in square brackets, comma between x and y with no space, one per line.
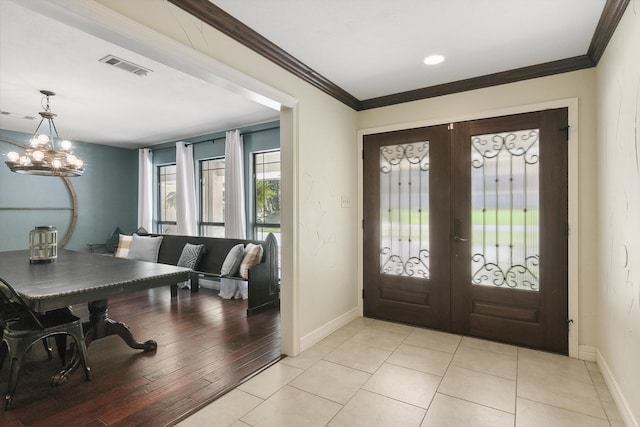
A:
[404,209]
[504,203]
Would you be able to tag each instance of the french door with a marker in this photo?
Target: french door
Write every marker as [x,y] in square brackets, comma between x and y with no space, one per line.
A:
[465,228]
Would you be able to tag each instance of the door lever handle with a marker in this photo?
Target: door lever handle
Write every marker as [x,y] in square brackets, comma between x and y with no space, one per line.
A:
[457,224]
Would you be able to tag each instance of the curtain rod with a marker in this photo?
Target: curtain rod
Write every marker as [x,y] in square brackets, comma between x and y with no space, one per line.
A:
[173,146]
[249,132]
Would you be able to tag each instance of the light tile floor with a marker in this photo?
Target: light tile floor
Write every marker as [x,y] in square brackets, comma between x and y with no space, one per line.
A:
[374,373]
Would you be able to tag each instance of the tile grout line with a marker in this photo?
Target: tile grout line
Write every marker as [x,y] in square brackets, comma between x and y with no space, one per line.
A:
[598,394]
[386,360]
[442,377]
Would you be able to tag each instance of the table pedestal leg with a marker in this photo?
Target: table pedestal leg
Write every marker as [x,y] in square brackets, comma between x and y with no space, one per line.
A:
[100,326]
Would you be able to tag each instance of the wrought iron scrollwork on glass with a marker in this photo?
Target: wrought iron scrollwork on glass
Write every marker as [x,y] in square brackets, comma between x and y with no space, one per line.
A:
[415,266]
[404,209]
[394,155]
[520,144]
[516,276]
[505,202]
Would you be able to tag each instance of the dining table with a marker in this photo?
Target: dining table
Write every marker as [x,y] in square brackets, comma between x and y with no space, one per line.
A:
[76,277]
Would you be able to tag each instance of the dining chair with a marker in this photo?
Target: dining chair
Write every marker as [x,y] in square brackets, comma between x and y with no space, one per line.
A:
[8,313]
[27,327]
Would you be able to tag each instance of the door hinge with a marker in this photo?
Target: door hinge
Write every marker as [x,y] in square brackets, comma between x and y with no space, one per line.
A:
[363,294]
[565,130]
[362,154]
[450,127]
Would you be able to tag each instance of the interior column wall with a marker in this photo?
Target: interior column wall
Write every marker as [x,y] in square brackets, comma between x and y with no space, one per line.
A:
[618,90]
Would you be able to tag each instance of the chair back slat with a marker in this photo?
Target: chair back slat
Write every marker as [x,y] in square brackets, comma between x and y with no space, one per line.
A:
[10,295]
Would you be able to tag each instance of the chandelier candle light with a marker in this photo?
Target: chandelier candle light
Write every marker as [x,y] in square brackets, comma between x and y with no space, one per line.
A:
[42,157]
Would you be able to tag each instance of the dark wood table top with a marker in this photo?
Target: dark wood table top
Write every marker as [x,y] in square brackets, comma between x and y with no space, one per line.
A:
[80,277]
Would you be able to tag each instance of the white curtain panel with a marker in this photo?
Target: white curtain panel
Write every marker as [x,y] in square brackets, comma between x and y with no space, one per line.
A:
[234,212]
[186,213]
[145,189]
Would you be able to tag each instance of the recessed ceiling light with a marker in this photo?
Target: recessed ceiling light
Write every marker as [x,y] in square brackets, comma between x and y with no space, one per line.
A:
[433,59]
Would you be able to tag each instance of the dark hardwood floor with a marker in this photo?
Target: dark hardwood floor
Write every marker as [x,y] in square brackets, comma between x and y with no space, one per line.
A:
[206,346]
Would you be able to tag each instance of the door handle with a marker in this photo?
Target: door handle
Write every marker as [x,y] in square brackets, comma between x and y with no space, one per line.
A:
[457,224]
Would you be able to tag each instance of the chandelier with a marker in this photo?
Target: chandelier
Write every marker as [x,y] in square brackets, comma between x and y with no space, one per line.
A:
[42,157]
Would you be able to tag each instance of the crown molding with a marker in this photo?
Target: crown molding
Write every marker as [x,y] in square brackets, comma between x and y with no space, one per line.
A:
[611,15]
[227,24]
[504,77]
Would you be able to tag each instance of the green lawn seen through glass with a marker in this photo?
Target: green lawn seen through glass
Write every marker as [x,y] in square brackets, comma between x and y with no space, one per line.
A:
[478,216]
[500,226]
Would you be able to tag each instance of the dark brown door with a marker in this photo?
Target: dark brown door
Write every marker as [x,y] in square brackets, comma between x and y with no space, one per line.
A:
[478,246]
[406,237]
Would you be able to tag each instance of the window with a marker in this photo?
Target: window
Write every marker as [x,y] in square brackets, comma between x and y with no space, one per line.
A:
[212,197]
[167,199]
[266,167]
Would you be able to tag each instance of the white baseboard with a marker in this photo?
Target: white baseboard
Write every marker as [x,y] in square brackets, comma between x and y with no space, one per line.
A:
[616,393]
[325,330]
[587,352]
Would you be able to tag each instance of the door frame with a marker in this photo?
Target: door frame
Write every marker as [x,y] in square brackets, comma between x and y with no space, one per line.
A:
[573,150]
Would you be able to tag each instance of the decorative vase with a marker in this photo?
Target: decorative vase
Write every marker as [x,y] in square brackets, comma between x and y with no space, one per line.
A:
[43,244]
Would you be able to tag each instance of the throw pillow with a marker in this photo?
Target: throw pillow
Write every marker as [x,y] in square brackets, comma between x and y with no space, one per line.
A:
[145,248]
[252,256]
[124,243]
[112,242]
[140,231]
[232,261]
[190,256]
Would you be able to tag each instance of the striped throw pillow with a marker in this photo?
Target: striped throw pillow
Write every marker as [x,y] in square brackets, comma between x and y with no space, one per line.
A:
[124,244]
[252,256]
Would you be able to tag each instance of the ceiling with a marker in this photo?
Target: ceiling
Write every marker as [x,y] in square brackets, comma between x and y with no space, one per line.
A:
[366,53]
[373,48]
[98,103]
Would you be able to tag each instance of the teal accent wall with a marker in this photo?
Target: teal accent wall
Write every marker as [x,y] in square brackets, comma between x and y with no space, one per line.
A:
[256,138]
[107,196]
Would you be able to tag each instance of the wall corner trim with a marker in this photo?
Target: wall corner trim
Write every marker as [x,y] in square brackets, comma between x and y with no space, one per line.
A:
[328,328]
[616,393]
[587,352]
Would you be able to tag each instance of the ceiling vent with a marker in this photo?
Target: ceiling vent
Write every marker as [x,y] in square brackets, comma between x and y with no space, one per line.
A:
[125,65]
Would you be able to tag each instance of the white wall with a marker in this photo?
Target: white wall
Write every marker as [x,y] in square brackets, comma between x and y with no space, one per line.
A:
[511,97]
[319,165]
[618,91]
